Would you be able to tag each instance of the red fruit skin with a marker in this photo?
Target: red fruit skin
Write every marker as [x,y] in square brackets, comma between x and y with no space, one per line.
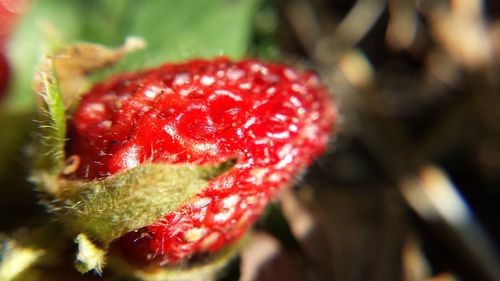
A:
[10,10]
[273,119]
[4,75]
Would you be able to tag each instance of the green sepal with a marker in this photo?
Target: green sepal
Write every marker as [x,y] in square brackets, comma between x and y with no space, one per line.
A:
[53,121]
[126,201]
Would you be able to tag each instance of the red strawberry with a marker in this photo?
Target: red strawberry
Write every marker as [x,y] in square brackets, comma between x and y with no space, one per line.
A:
[9,12]
[4,74]
[272,119]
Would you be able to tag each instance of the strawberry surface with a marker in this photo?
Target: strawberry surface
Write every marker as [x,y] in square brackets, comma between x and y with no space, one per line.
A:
[10,10]
[272,119]
[4,74]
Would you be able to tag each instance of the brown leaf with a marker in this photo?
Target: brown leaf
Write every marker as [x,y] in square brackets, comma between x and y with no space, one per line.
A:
[72,65]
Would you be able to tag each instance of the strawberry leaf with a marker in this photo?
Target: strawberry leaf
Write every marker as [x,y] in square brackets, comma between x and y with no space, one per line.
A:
[187,29]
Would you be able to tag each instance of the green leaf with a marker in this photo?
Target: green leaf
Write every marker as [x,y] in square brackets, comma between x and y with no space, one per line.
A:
[177,30]
[129,200]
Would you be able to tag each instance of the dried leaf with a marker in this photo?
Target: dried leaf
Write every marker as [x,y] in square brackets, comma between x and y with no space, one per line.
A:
[73,64]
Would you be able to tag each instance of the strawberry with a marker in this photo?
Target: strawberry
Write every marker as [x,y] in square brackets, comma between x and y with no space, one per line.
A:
[271,119]
[10,10]
[4,74]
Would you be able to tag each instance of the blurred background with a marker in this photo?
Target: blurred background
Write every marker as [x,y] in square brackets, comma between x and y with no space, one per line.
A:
[410,186]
